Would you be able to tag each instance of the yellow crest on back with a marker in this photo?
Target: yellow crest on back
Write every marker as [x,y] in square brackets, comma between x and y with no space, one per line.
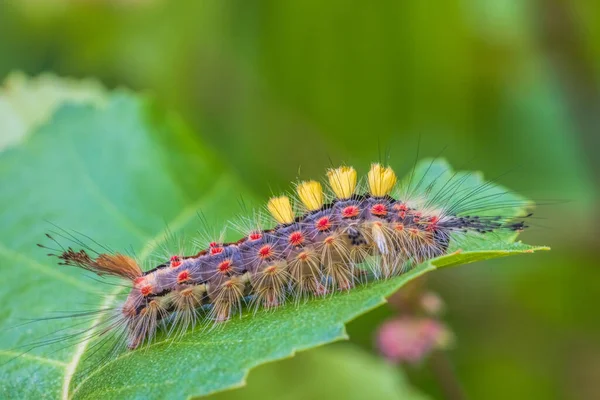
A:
[281,209]
[381,180]
[342,181]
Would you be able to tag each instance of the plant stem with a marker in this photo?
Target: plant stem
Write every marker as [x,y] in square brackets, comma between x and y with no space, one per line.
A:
[443,371]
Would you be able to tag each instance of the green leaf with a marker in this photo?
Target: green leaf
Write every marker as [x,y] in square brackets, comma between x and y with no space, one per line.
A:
[331,372]
[26,103]
[122,174]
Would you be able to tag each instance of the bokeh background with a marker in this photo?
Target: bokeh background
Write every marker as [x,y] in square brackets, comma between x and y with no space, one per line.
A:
[509,87]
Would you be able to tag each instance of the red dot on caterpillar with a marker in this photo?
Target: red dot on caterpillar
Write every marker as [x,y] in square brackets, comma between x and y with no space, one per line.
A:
[379,210]
[175,261]
[350,212]
[323,223]
[215,250]
[296,238]
[255,236]
[224,267]
[146,290]
[265,251]
[183,276]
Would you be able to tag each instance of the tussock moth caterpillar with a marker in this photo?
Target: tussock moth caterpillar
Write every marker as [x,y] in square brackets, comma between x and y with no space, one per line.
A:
[323,239]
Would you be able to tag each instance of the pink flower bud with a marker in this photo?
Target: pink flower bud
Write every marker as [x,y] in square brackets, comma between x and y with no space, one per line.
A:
[410,340]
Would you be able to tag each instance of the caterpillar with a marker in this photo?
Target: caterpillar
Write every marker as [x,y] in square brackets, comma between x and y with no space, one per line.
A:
[322,241]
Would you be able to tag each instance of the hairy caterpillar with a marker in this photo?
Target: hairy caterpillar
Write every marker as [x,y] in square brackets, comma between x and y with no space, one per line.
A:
[323,241]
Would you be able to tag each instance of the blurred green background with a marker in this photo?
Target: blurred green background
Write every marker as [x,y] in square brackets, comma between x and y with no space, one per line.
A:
[283,87]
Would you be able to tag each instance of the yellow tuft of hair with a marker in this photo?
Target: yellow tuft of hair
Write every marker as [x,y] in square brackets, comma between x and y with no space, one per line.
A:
[342,181]
[281,209]
[311,194]
[381,180]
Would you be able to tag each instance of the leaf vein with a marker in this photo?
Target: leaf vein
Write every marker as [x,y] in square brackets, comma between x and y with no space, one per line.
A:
[44,360]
